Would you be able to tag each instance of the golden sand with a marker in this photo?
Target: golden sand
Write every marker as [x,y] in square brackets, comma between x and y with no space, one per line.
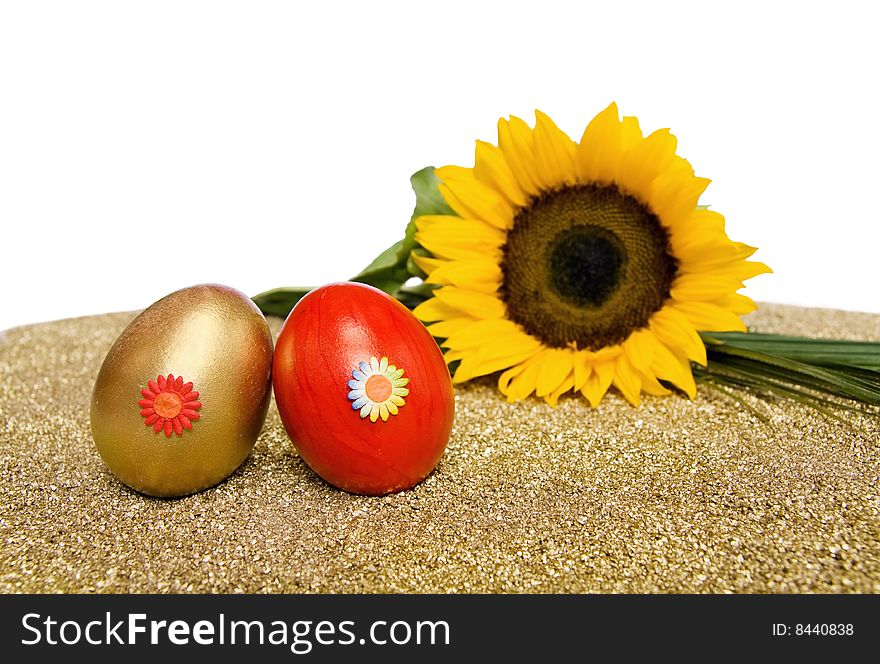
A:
[675,496]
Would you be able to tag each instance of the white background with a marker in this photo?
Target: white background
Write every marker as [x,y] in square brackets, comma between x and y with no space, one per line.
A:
[154,145]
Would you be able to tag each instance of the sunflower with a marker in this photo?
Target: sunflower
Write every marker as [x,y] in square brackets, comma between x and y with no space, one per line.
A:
[578,266]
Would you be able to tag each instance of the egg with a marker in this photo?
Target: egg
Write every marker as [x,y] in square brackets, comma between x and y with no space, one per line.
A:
[362,389]
[183,393]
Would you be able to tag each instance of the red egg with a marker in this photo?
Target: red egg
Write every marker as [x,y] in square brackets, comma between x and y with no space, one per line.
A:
[362,389]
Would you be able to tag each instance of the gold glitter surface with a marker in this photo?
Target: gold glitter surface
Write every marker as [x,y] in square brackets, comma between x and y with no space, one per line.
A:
[675,496]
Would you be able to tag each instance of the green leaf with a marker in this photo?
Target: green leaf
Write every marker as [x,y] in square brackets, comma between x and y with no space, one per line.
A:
[429,200]
[279,301]
[391,269]
[815,372]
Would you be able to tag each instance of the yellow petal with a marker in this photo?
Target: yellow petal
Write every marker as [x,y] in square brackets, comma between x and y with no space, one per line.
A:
[552,399]
[598,382]
[599,151]
[505,378]
[737,303]
[478,305]
[652,386]
[674,196]
[701,287]
[454,355]
[485,334]
[709,317]
[472,199]
[433,309]
[748,269]
[627,380]
[703,227]
[674,330]
[630,133]
[481,275]
[554,151]
[445,328]
[524,383]
[639,349]
[473,365]
[556,366]
[645,161]
[674,369]
[491,168]
[582,370]
[603,354]
[459,231]
[515,142]
[453,238]
[427,264]
[712,254]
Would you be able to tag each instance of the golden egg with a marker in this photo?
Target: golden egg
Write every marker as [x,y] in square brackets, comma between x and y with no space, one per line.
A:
[183,393]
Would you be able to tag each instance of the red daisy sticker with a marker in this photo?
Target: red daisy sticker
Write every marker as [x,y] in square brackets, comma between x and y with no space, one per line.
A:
[169,404]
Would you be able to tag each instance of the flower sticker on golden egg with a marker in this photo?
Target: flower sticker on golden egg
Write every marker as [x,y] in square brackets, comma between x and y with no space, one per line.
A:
[169,405]
[377,389]
[154,429]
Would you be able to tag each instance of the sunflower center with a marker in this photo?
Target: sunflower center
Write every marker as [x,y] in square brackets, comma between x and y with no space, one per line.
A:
[378,388]
[168,405]
[586,265]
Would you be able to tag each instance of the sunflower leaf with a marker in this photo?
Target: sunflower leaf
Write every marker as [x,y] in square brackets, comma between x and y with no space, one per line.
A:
[815,372]
[391,269]
[394,266]
[279,301]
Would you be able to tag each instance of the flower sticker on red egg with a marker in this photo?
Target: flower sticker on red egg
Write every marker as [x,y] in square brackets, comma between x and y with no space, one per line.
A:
[377,389]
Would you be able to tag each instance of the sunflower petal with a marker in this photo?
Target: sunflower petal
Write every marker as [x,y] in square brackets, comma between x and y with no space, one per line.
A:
[703,287]
[492,169]
[483,275]
[674,196]
[445,328]
[554,151]
[515,143]
[652,386]
[525,382]
[434,309]
[630,133]
[673,329]
[485,334]
[737,303]
[598,382]
[556,366]
[709,317]
[552,399]
[472,365]
[639,349]
[478,305]
[674,369]
[471,199]
[627,380]
[646,160]
[582,370]
[507,376]
[459,231]
[598,154]
[427,264]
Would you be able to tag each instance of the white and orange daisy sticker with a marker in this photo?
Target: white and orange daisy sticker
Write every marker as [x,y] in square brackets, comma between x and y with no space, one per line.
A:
[169,405]
[377,389]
